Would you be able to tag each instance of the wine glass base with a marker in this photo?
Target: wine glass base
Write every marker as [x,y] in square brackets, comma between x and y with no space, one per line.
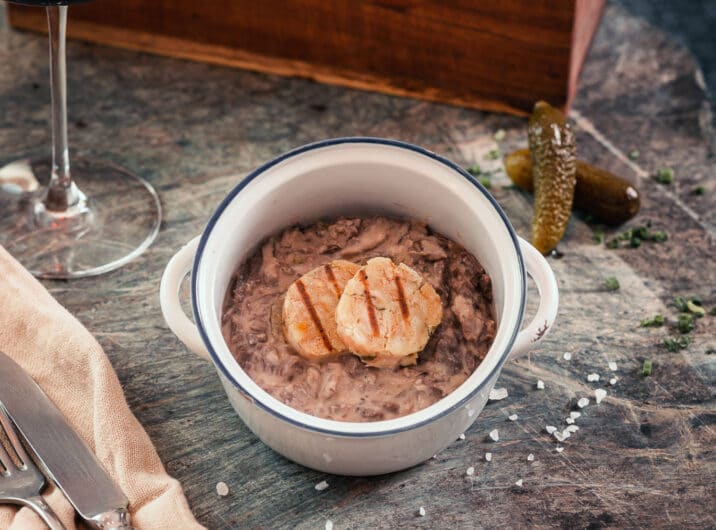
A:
[116,219]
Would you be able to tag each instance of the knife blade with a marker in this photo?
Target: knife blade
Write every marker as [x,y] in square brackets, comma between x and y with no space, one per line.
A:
[63,456]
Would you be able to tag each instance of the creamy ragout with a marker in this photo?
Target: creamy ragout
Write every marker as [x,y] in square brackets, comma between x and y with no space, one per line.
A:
[343,388]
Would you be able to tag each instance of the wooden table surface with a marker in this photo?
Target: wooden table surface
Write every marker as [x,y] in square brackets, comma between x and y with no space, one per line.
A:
[644,457]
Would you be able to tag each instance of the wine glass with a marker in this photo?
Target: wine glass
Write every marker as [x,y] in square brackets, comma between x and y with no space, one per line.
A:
[86,220]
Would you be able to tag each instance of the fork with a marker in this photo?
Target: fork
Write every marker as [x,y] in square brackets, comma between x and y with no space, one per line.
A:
[22,484]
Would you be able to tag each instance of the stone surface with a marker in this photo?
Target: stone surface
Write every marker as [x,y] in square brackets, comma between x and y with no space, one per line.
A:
[643,457]
[690,23]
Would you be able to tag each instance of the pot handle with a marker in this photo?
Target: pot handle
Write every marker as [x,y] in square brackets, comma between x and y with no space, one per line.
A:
[180,324]
[540,271]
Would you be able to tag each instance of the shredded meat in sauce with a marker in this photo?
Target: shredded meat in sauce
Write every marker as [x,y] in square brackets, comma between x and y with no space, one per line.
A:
[344,389]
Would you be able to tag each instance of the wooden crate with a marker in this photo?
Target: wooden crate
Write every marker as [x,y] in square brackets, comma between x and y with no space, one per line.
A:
[498,55]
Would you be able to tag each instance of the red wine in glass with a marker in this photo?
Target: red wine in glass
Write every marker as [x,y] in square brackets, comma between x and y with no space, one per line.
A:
[92,216]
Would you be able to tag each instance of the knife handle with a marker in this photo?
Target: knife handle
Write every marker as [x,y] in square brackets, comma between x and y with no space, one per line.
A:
[118,519]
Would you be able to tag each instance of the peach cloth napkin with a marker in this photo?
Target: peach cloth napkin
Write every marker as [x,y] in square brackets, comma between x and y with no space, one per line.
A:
[70,366]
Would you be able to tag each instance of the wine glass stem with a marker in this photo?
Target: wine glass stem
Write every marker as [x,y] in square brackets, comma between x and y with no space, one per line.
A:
[62,194]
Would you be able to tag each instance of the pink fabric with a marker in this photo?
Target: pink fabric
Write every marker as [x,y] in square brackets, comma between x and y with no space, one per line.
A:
[70,366]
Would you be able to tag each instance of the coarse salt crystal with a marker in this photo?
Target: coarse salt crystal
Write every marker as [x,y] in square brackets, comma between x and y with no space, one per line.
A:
[461,437]
[550,429]
[612,366]
[613,381]
[593,377]
[494,435]
[512,417]
[562,436]
[497,394]
[421,511]
[583,402]
[572,428]
[559,449]
[470,471]
[569,421]
[540,384]
[519,483]
[222,489]
[321,485]
[567,356]
[530,457]
[329,525]
[600,394]
[575,414]
[488,457]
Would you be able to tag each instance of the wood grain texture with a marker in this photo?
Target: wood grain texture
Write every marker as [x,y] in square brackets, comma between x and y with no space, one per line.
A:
[642,458]
[494,54]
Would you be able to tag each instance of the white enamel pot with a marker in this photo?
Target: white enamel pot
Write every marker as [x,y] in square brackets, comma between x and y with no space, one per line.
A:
[357,176]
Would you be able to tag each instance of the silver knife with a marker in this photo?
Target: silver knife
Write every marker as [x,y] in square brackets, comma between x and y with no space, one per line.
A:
[62,454]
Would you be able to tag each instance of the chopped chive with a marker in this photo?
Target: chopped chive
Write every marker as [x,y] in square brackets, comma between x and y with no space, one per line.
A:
[655,322]
[665,175]
[699,190]
[634,154]
[599,236]
[659,236]
[680,303]
[646,368]
[485,181]
[685,323]
[611,283]
[474,170]
[493,154]
[637,235]
[713,311]
[499,135]
[674,344]
[642,232]
[695,309]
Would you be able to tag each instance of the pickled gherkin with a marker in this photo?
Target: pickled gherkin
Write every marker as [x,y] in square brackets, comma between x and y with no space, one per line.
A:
[554,173]
[609,198]
[518,166]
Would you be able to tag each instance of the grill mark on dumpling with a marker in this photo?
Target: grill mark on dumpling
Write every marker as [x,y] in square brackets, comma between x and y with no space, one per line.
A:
[314,314]
[401,298]
[332,278]
[372,319]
